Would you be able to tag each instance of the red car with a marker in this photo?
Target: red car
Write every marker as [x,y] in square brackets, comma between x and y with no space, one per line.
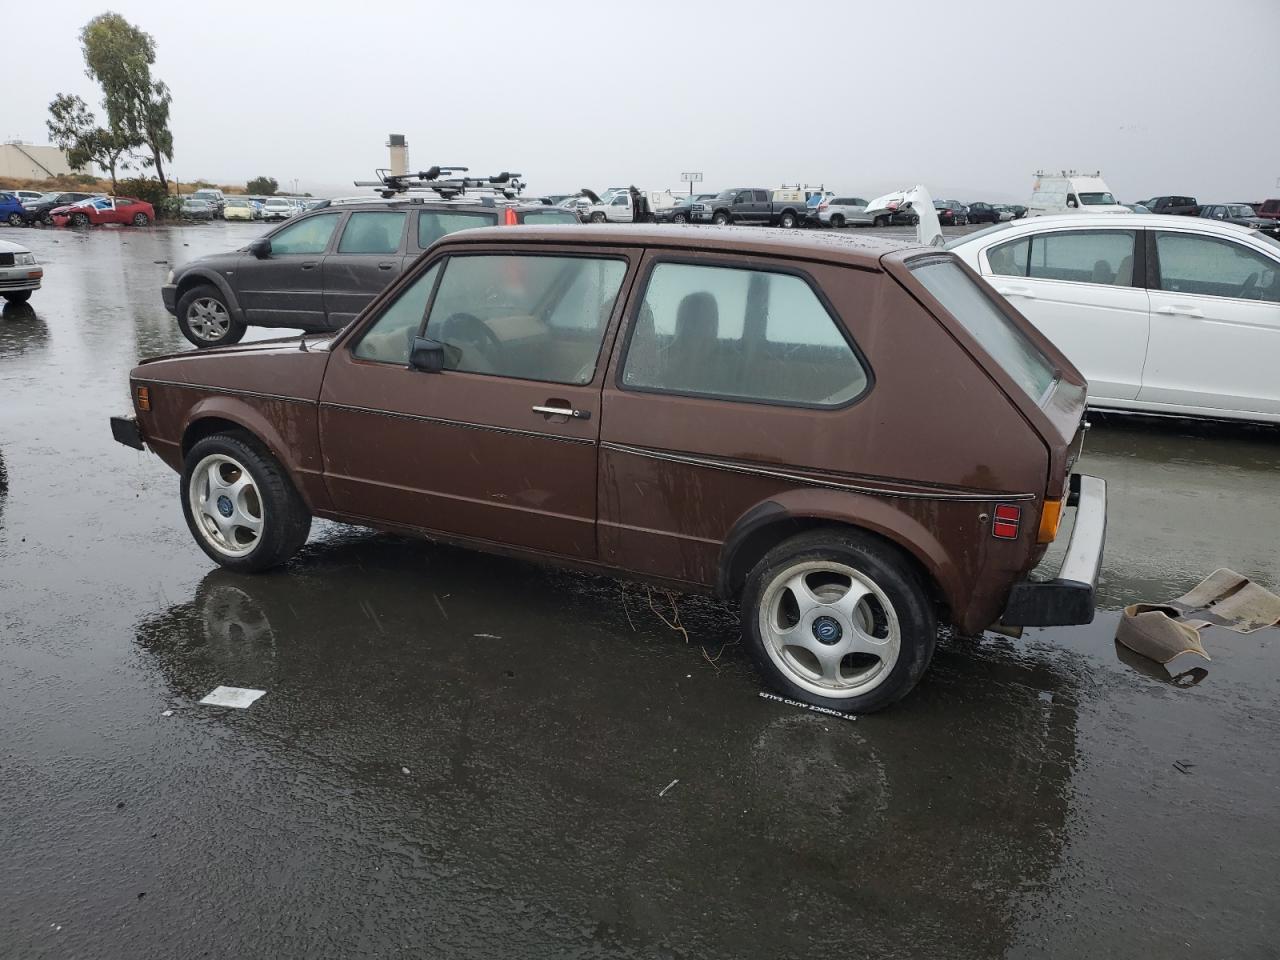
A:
[1268,209]
[105,210]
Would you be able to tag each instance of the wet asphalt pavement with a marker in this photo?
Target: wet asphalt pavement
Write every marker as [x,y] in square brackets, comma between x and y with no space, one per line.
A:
[461,756]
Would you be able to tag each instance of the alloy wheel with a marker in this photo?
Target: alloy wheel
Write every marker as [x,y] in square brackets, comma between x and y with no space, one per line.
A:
[208,319]
[830,628]
[226,505]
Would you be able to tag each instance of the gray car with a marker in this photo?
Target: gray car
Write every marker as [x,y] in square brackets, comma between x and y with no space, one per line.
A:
[843,211]
[319,269]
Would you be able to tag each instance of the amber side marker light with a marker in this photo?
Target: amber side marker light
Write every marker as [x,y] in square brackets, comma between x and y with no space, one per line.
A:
[1050,520]
[144,398]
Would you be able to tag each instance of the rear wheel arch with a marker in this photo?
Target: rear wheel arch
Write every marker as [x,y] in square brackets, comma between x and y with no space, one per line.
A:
[768,524]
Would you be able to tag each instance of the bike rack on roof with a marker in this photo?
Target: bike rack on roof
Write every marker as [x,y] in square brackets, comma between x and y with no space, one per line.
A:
[389,185]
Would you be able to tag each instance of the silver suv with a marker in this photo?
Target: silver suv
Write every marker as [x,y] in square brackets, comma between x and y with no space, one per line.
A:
[841,211]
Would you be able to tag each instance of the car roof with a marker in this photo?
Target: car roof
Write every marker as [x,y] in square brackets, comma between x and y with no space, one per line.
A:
[1131,221]
[864,251]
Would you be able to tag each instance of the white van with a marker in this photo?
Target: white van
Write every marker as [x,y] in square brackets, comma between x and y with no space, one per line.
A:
[1070,192]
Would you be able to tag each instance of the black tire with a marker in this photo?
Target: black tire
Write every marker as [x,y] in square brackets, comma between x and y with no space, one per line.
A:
[788,220]
[79,220]
[837,220]
[720,218]
[286,521]
[17,220]
[141,219]
[18,296]
[881,221]
[193,308]
[598,217]
[679,218]
[895,576]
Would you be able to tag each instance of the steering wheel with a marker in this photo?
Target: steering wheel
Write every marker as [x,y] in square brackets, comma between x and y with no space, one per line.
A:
[1248,286]
[472,331]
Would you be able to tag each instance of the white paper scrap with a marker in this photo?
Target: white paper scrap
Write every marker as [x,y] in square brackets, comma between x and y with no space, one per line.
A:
[239,697]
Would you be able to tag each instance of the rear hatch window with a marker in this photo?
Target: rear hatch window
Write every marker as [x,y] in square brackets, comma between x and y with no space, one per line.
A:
[995,332]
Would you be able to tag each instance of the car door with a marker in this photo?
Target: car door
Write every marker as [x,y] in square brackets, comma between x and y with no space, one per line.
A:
[1215,324]
[501,445]
[1083,289]
[286,288]
[369,255]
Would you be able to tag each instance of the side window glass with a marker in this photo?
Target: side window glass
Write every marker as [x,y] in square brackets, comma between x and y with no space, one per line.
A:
[1010,259]
[391,336]
[529,317]
[762,196]
[372,232]
[1084,256]
[740,335]
[1216,268]
[306,236]
[432,225]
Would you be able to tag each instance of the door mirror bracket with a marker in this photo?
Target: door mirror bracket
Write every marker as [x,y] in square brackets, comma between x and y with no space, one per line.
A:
[260,248]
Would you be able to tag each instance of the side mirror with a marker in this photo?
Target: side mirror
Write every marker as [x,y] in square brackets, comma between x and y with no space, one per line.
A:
[426,355]
[261,248]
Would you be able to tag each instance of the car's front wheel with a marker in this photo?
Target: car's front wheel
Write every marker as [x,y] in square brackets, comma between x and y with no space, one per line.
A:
[16,219]
[240,505]
[881,221]
[206,320]
[838,620]
[18,296]
[598,217]
[79,220]
[721,219]
[837,220]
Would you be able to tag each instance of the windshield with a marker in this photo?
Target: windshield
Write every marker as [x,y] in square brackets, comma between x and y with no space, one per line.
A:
[727,194]
[237,203]
[1270,241]
[1096,199]
[997,333]
[1240,210]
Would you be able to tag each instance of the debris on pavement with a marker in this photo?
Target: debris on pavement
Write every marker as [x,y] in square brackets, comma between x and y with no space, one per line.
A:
[240,698]
[663,791]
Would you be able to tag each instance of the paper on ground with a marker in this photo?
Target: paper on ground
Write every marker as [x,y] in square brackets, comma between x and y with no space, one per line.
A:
[239,697]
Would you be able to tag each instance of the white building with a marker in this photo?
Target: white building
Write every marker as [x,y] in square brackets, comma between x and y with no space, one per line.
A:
[26,161]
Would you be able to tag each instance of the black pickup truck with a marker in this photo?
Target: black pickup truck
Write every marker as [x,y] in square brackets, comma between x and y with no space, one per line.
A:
[750,205]
[1181,206]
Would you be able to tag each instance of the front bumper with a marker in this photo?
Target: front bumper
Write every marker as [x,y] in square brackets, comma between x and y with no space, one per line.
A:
[1069,598]
[125,430]
[18,279]
[169,294]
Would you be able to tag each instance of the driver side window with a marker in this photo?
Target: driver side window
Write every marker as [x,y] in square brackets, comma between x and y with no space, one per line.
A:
[528,317]
[306,236]
[390,337]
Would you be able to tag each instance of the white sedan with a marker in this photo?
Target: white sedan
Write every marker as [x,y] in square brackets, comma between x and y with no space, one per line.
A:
[1164,315]
[20,274]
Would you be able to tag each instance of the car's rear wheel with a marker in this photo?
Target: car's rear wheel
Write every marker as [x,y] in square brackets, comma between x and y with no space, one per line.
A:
[240,505]
[838,620]
[79,220]
[787,221]
[206,320]
[16,219]
[837,220]
[141,219]
[18,296]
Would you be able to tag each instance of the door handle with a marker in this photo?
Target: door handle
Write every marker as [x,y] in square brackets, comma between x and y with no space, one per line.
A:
[569,412]
[1181,310]
[1016,292]
[386,266]
[309,265]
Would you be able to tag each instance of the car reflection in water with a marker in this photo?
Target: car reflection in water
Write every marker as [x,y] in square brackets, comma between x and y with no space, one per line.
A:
[539,725]
[21,329]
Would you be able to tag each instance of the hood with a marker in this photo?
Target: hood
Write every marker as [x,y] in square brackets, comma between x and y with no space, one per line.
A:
[307,343]
[594,198]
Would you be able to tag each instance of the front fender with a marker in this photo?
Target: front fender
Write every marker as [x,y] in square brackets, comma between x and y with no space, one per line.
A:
[196,275]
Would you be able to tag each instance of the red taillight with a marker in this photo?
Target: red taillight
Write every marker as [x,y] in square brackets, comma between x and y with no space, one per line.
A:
[1007,520]
[509,218]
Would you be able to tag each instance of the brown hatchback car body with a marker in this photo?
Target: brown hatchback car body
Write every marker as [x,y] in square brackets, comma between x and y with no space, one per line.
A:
[683,490]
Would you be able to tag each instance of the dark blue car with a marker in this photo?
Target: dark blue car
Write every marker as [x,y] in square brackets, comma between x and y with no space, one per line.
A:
[11,210]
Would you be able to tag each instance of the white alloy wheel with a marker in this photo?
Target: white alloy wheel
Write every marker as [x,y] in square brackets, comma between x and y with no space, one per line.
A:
[226,505]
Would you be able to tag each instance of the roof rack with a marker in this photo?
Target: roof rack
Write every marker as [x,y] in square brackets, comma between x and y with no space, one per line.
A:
[389,185]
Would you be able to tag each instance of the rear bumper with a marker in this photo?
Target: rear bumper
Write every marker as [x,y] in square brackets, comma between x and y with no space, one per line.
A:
[169,294]
[1069,598]
[125,430]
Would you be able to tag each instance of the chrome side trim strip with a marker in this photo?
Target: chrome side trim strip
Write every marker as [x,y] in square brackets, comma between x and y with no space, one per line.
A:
[491,428]
[734,466]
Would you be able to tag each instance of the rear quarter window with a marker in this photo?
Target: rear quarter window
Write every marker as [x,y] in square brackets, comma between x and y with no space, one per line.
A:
[997,333]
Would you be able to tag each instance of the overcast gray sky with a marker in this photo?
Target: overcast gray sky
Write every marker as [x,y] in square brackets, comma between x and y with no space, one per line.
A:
[970,98]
